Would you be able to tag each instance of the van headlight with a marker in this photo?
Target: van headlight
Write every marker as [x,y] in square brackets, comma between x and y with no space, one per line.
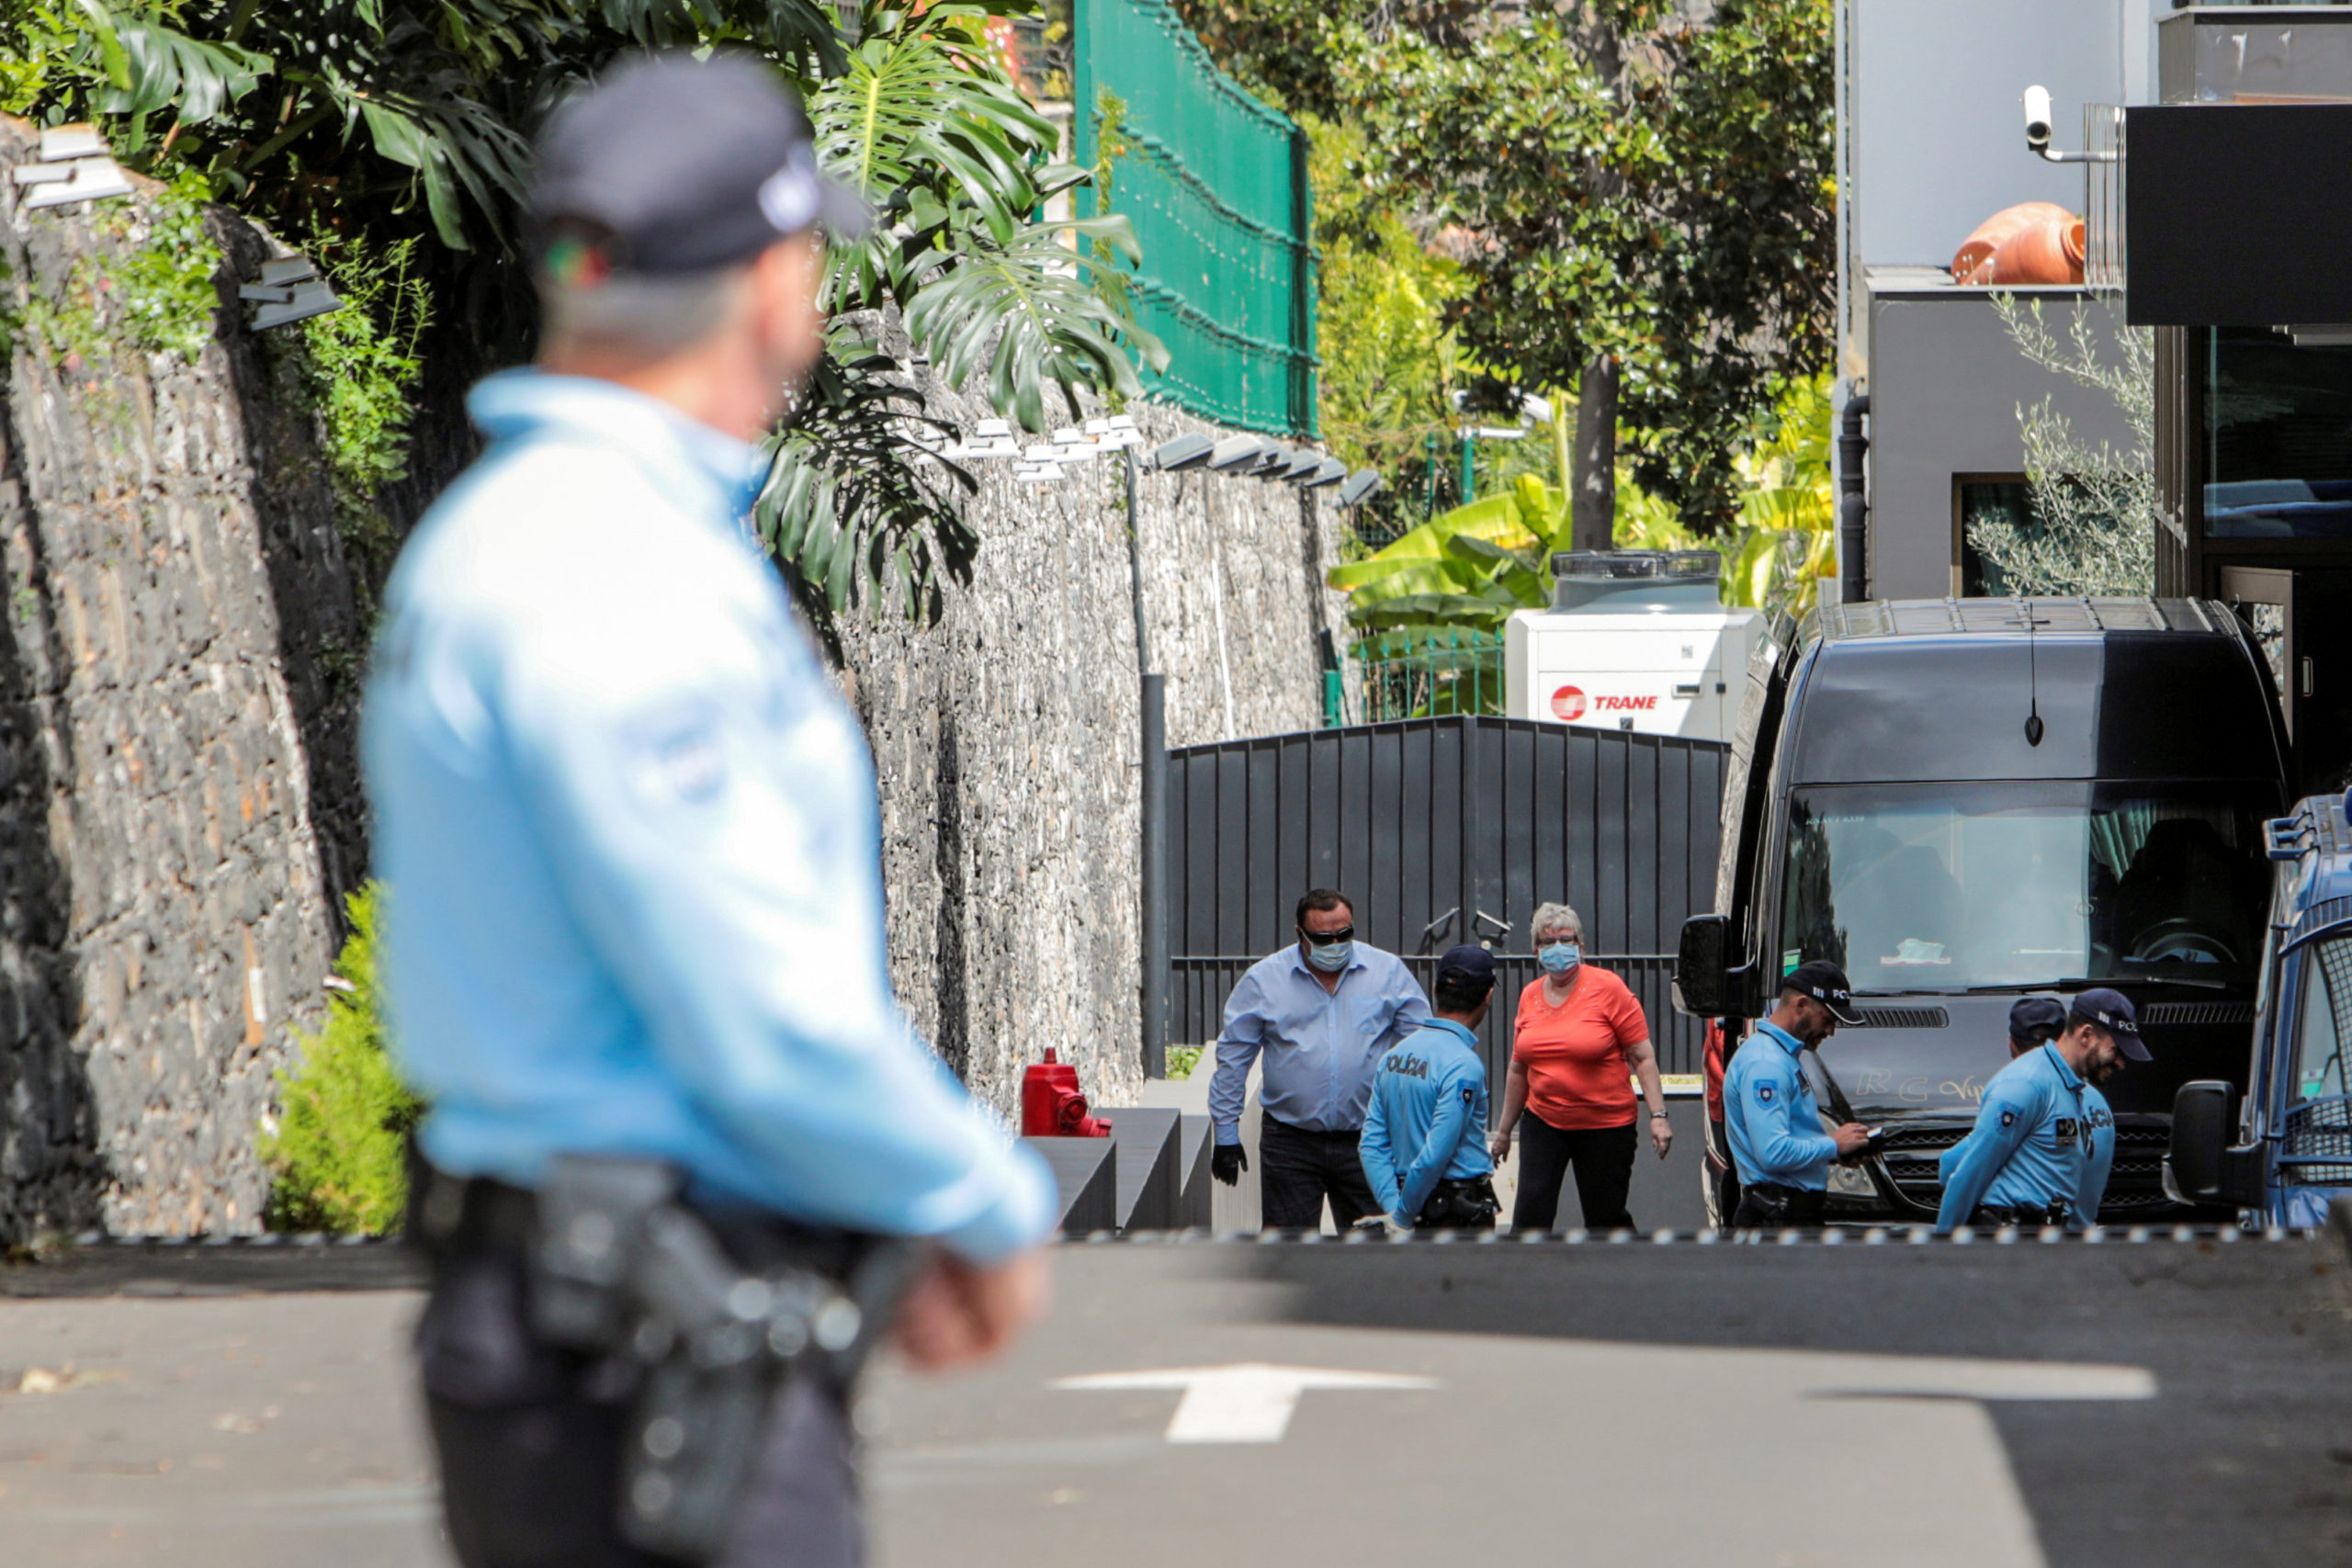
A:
[1853,1181]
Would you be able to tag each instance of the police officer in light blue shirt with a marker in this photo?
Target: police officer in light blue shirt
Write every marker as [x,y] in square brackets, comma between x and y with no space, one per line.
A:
[1320,1014]
[2032,1158]
[1424,1145]
[1769,1114]
[631,846]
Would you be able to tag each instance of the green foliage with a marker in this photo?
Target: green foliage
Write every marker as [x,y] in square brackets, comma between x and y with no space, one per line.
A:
[152,292]
[2095,510]
[398,126]
[925,122]
[360,366]
[1471,568]
[1380,315]
[338,1154]
[1631,187]
[1183,1059]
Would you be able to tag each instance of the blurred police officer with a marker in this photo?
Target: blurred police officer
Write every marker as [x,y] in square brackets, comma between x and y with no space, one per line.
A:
[1424,1145]
[1769,1114]
[631,839]
[2032,1158]
[1323,1012]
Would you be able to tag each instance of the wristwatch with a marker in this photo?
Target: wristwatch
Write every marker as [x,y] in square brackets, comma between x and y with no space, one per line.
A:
[1660,1116]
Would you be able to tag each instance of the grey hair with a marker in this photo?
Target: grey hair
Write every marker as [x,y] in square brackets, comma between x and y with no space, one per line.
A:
[652,316]
[1549,916]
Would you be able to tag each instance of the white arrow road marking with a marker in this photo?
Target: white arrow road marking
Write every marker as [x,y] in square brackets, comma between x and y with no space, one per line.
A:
[1246,1402]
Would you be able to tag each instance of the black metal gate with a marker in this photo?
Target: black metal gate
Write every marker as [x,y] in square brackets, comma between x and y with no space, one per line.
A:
[1443,830]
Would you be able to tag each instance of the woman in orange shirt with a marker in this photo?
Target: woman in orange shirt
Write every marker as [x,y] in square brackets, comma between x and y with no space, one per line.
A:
[1578,1044]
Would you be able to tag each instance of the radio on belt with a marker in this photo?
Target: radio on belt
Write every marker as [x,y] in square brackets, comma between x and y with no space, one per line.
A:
[1634,639]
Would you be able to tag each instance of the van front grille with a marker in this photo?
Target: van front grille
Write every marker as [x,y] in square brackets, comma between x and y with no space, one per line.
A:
[1904,1018]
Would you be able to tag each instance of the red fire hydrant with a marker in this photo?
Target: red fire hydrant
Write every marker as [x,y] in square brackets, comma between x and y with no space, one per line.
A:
[1051,1106]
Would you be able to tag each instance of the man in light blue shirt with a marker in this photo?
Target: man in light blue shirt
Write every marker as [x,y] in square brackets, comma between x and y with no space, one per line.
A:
[630,839]
[1424,1145]
[1321,1014]
[1769,1114]
[2032,1156]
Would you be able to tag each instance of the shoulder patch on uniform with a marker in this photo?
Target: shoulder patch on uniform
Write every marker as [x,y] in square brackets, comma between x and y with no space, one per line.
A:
[1466,1096]
[2008,1118]
[1764,1092]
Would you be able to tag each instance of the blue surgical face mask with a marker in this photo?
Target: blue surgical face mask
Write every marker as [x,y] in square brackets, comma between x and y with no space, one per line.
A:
[1559,957]
[1331,959]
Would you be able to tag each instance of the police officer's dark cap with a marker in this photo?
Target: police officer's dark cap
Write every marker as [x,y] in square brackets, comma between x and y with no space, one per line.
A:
[671,166]
[1825,983]
[2113,1011]
[2037,1018]
[1469,962]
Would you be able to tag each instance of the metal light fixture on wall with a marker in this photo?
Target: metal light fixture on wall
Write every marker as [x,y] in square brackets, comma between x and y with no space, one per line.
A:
[1361,486]
[1303,467]
[1115,433]
[1184,452]
[1237,455]
[290,290]
[1328,472]
[72,165]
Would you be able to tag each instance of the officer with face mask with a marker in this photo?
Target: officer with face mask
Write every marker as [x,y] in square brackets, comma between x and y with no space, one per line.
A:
[2033,1158]
[1321,1014]
[1424,1145]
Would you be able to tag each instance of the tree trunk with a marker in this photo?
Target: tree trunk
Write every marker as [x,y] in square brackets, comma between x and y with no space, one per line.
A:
[1593,490]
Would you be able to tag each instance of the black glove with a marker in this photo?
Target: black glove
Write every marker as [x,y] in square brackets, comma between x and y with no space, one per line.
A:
[1228,1162]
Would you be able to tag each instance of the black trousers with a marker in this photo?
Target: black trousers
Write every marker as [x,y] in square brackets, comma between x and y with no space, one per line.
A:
[1769,1205]
[1603,1158]
[529,1437]
[1297,1169]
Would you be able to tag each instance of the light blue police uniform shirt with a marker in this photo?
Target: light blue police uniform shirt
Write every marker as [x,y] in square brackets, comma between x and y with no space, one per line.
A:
[1320,1046]
[631,845]
[2096,1167]
[2031,1145]
[1770,1117]
[1426,1121]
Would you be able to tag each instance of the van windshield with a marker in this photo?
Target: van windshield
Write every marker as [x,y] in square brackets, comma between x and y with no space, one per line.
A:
[1938,887]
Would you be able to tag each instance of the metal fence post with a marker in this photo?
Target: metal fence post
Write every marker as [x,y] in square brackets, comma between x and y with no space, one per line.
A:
[1155,876]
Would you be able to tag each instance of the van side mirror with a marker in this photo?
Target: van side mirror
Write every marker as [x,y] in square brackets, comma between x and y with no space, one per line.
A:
[2202,1166]
[1700,987]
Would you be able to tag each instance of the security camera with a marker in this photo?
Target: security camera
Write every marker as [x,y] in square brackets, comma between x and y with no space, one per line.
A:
[2037,117]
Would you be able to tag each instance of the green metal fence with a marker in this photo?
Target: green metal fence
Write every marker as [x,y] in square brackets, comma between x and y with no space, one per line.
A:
[1418,673]
[1216,182]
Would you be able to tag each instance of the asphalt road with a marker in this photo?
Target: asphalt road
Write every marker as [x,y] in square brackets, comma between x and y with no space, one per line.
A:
[2166,1403]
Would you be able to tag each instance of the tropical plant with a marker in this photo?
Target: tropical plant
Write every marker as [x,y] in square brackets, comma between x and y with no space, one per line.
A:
[2095,513]
[1473,567]
[1645,211]
[406,120]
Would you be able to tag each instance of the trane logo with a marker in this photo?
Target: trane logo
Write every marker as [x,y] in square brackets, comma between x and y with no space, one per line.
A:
[1571,703]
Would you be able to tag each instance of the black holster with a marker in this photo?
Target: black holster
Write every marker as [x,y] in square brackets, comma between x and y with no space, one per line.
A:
[1995,1215]
[716,1313]
[1468,1204]
[1769,1205]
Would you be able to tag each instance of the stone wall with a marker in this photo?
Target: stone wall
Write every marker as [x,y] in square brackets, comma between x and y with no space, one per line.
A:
[180,807]
[178,800]
[1007,737]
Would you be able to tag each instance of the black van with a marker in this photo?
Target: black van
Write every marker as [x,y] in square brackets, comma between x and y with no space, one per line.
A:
[1961,801]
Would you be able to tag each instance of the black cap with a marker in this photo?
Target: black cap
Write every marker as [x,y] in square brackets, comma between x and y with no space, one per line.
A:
[2113,1011]
[1825,983]
[670,164]
[2037,1018]
[1470,961]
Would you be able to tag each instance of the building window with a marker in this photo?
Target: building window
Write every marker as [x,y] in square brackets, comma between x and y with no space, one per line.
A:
[2002,498]
[2278,437]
